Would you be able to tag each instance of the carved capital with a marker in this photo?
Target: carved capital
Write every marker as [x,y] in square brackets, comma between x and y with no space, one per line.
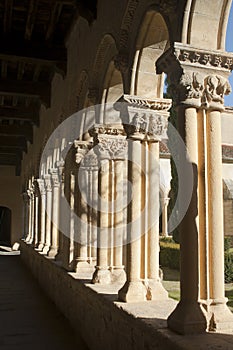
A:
[36,188]
[41,185]
[196,77]
[90,161]
[82,148]
[110,141]
[55,181]
[60,166]
[48,183]
[147,118]
[25,197]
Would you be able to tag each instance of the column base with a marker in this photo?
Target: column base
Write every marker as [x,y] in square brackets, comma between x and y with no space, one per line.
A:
[102,275]
[118,274]
[156,291]
[45,250]
[40,247]
[187,318]
[83,267]
[52,252]
[133,292]
[220,318]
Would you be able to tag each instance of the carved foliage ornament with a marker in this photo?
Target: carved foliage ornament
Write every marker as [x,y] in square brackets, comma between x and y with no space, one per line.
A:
[110,141]
[112,148]
[199,90]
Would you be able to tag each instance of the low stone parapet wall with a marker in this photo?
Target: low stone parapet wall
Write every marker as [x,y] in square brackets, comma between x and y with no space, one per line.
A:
[106,324]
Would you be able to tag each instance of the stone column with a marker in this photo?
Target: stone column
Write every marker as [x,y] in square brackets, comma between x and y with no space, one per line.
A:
[221,318]
[155,289]
[145,128]
[68,261]
[48,216]
[62,218]
[36,214]
[41,185]
[26,212]
[31,194]
[83,159]
[118,268]
[165,201]
[198,82]
[110,146]
[53,250]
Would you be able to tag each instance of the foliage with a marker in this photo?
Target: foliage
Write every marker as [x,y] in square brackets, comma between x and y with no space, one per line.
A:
[170,255]
[227,243]
[228,257]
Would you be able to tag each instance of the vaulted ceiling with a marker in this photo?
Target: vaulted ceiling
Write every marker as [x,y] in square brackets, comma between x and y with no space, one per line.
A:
[32,49]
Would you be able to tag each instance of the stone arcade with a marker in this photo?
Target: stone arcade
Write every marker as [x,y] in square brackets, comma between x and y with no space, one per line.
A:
[86,129]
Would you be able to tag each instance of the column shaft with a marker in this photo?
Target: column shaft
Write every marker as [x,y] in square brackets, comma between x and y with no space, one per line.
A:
[102,272]
[188,316]
[134,289]
[156,291]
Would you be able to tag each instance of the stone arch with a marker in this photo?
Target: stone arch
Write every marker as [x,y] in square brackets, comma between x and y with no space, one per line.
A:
[82,90]
[106,51]
[205,23]
[152,41]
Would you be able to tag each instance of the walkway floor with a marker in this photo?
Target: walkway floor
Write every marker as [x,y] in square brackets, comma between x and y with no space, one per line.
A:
[28,319]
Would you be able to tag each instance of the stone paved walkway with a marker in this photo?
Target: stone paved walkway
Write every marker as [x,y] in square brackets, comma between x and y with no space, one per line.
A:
[28,319]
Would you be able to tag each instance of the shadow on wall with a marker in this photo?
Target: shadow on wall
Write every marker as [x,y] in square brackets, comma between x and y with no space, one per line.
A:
[5,226]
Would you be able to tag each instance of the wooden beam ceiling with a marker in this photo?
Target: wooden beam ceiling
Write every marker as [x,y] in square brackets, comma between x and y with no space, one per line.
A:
[29,114]
[13,142]
[26,88]
[31,18]
[17,130]
[7,21]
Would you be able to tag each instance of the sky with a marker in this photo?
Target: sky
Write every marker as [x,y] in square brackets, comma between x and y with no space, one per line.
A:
[229,47]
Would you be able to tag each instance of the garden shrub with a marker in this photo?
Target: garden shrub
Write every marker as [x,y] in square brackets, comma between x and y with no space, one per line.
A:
[228,257]
[170,254]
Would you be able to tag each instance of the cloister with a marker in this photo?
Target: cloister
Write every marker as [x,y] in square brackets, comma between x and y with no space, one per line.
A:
[87,178]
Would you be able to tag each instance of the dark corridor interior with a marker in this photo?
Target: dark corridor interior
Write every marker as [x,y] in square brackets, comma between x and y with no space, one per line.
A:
[5,226]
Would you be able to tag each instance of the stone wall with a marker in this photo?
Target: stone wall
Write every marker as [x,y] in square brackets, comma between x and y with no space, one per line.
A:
[10,197]
[106,324]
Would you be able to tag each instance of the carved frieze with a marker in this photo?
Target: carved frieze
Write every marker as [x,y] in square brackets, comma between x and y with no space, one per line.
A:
[148,118]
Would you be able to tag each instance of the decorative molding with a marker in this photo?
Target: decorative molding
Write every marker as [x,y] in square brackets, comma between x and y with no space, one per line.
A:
[196,77]
[110,141]
[121,61]
[158,104]
[148,118]
[127,22]
[168,7]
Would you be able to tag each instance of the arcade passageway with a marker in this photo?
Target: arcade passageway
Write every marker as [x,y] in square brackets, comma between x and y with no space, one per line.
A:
[28,319]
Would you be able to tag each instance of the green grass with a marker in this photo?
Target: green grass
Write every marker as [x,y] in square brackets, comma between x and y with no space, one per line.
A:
[171,283]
